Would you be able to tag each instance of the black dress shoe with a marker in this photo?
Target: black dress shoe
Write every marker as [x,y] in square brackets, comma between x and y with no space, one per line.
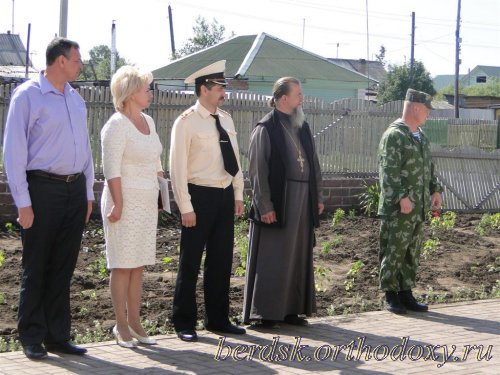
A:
[35,351]
[65,348]
[188,335]
[228,328]
[268,323]
[408,301]
[295,320]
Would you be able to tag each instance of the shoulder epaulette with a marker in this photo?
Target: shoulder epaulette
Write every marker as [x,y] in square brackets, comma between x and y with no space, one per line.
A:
[226,113]
[187,113]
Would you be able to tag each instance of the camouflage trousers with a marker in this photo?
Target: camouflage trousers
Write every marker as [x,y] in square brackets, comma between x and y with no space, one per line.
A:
[399,253]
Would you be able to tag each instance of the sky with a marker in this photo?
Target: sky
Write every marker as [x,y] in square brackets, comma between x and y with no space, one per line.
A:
[349,29]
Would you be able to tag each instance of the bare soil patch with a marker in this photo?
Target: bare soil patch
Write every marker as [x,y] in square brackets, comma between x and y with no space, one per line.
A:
[465,265]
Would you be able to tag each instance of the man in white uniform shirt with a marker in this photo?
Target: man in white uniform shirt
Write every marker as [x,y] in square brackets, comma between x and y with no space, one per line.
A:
[208,187]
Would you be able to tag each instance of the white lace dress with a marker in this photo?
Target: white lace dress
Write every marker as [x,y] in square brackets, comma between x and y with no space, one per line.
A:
[135,158]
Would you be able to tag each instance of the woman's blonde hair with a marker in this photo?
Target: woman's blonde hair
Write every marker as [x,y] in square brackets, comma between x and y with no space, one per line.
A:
[127,81]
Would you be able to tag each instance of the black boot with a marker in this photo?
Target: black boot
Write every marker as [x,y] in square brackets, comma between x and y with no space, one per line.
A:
[393,304]
[407,299]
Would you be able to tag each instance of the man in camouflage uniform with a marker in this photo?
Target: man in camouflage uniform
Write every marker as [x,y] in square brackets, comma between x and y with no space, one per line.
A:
[408,189]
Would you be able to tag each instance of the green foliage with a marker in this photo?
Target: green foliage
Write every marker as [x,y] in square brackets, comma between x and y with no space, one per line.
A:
[490,88]
[320,277]
[97,334]
[430,247]
[488,223]
[399,80]
[10,227]
[166,260]
[247,204]
[495,291]
[351,214]
[9,345]
[98,67]
[445,222]
[495,267]
[98,267]
[337,216]
[328,245]
[2,295]
[381,55]
[369,199]
[352,274]
[241,240]
[84,311]
[205,35]
[89,294]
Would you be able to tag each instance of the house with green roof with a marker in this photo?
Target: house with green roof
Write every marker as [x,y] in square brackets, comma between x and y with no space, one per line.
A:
[480,74]
[255,62]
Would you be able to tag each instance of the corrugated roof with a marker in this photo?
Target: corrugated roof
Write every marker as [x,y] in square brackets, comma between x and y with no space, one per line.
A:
[376,69]
[260,56]
[442,80]
[12,51]
[491,71]
[233,51]
[16,71]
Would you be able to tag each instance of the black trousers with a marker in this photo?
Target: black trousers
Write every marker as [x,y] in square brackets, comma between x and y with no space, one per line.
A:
[214,231]
[50,252]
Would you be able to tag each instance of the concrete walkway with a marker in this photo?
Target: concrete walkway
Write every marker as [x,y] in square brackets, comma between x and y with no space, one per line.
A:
[462,338]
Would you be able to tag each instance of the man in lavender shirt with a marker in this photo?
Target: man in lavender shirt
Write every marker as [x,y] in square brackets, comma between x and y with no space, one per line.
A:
[49,167]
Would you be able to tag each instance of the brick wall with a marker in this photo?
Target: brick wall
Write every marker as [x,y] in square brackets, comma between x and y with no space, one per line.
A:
[338,193]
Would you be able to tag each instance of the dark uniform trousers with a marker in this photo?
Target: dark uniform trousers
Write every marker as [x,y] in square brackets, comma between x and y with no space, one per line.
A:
[50,252]
[214,231]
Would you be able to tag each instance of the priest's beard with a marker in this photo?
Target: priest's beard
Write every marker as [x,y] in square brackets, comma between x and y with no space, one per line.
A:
[297,117]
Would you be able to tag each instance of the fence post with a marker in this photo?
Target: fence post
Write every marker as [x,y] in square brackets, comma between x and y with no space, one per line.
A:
[498,132]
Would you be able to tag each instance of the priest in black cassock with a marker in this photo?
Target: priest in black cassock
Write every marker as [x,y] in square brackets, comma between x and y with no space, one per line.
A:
[285,177]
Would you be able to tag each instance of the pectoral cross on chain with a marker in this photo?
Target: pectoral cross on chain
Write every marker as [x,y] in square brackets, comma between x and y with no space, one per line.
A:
[301,161]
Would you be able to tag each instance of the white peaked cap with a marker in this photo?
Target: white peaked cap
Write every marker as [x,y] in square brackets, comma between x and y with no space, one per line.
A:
[211,73]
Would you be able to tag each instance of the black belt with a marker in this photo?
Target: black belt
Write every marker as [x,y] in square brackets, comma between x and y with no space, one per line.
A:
[52,176]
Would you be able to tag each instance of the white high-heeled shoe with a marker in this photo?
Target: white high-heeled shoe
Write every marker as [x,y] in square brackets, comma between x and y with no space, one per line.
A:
[146,340]
[124,344]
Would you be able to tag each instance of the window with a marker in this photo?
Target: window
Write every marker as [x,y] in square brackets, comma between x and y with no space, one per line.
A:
[480,79]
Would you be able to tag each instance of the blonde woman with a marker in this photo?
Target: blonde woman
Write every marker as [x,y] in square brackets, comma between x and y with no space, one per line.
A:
[131,152]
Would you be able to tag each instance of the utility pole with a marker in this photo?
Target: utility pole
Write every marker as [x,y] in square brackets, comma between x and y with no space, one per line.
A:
[303,31]
[63,19]
[12,30]
[457,62]
[26,74]
[171,22]
[367,51]
[113,49]
[412,53]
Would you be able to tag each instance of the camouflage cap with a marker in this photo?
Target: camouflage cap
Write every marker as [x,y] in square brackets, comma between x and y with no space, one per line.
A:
[419,97]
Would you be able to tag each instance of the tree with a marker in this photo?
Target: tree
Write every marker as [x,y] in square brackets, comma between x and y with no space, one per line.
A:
[98,67]
[205,35]
[381,55]
[399,80]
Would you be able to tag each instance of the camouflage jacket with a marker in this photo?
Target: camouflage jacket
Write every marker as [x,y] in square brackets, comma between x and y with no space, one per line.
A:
[405,170]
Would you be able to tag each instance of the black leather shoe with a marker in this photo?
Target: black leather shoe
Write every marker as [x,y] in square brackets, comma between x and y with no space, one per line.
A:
[393,304]
[35,351]
[188,335]
[228,328]
[295,320]
[65,348]
[408,301]
[268,323]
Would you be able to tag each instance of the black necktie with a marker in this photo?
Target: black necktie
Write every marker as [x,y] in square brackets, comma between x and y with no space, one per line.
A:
[230,163]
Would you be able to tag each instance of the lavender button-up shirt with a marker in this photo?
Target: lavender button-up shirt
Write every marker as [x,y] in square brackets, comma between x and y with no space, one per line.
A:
[46,130]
